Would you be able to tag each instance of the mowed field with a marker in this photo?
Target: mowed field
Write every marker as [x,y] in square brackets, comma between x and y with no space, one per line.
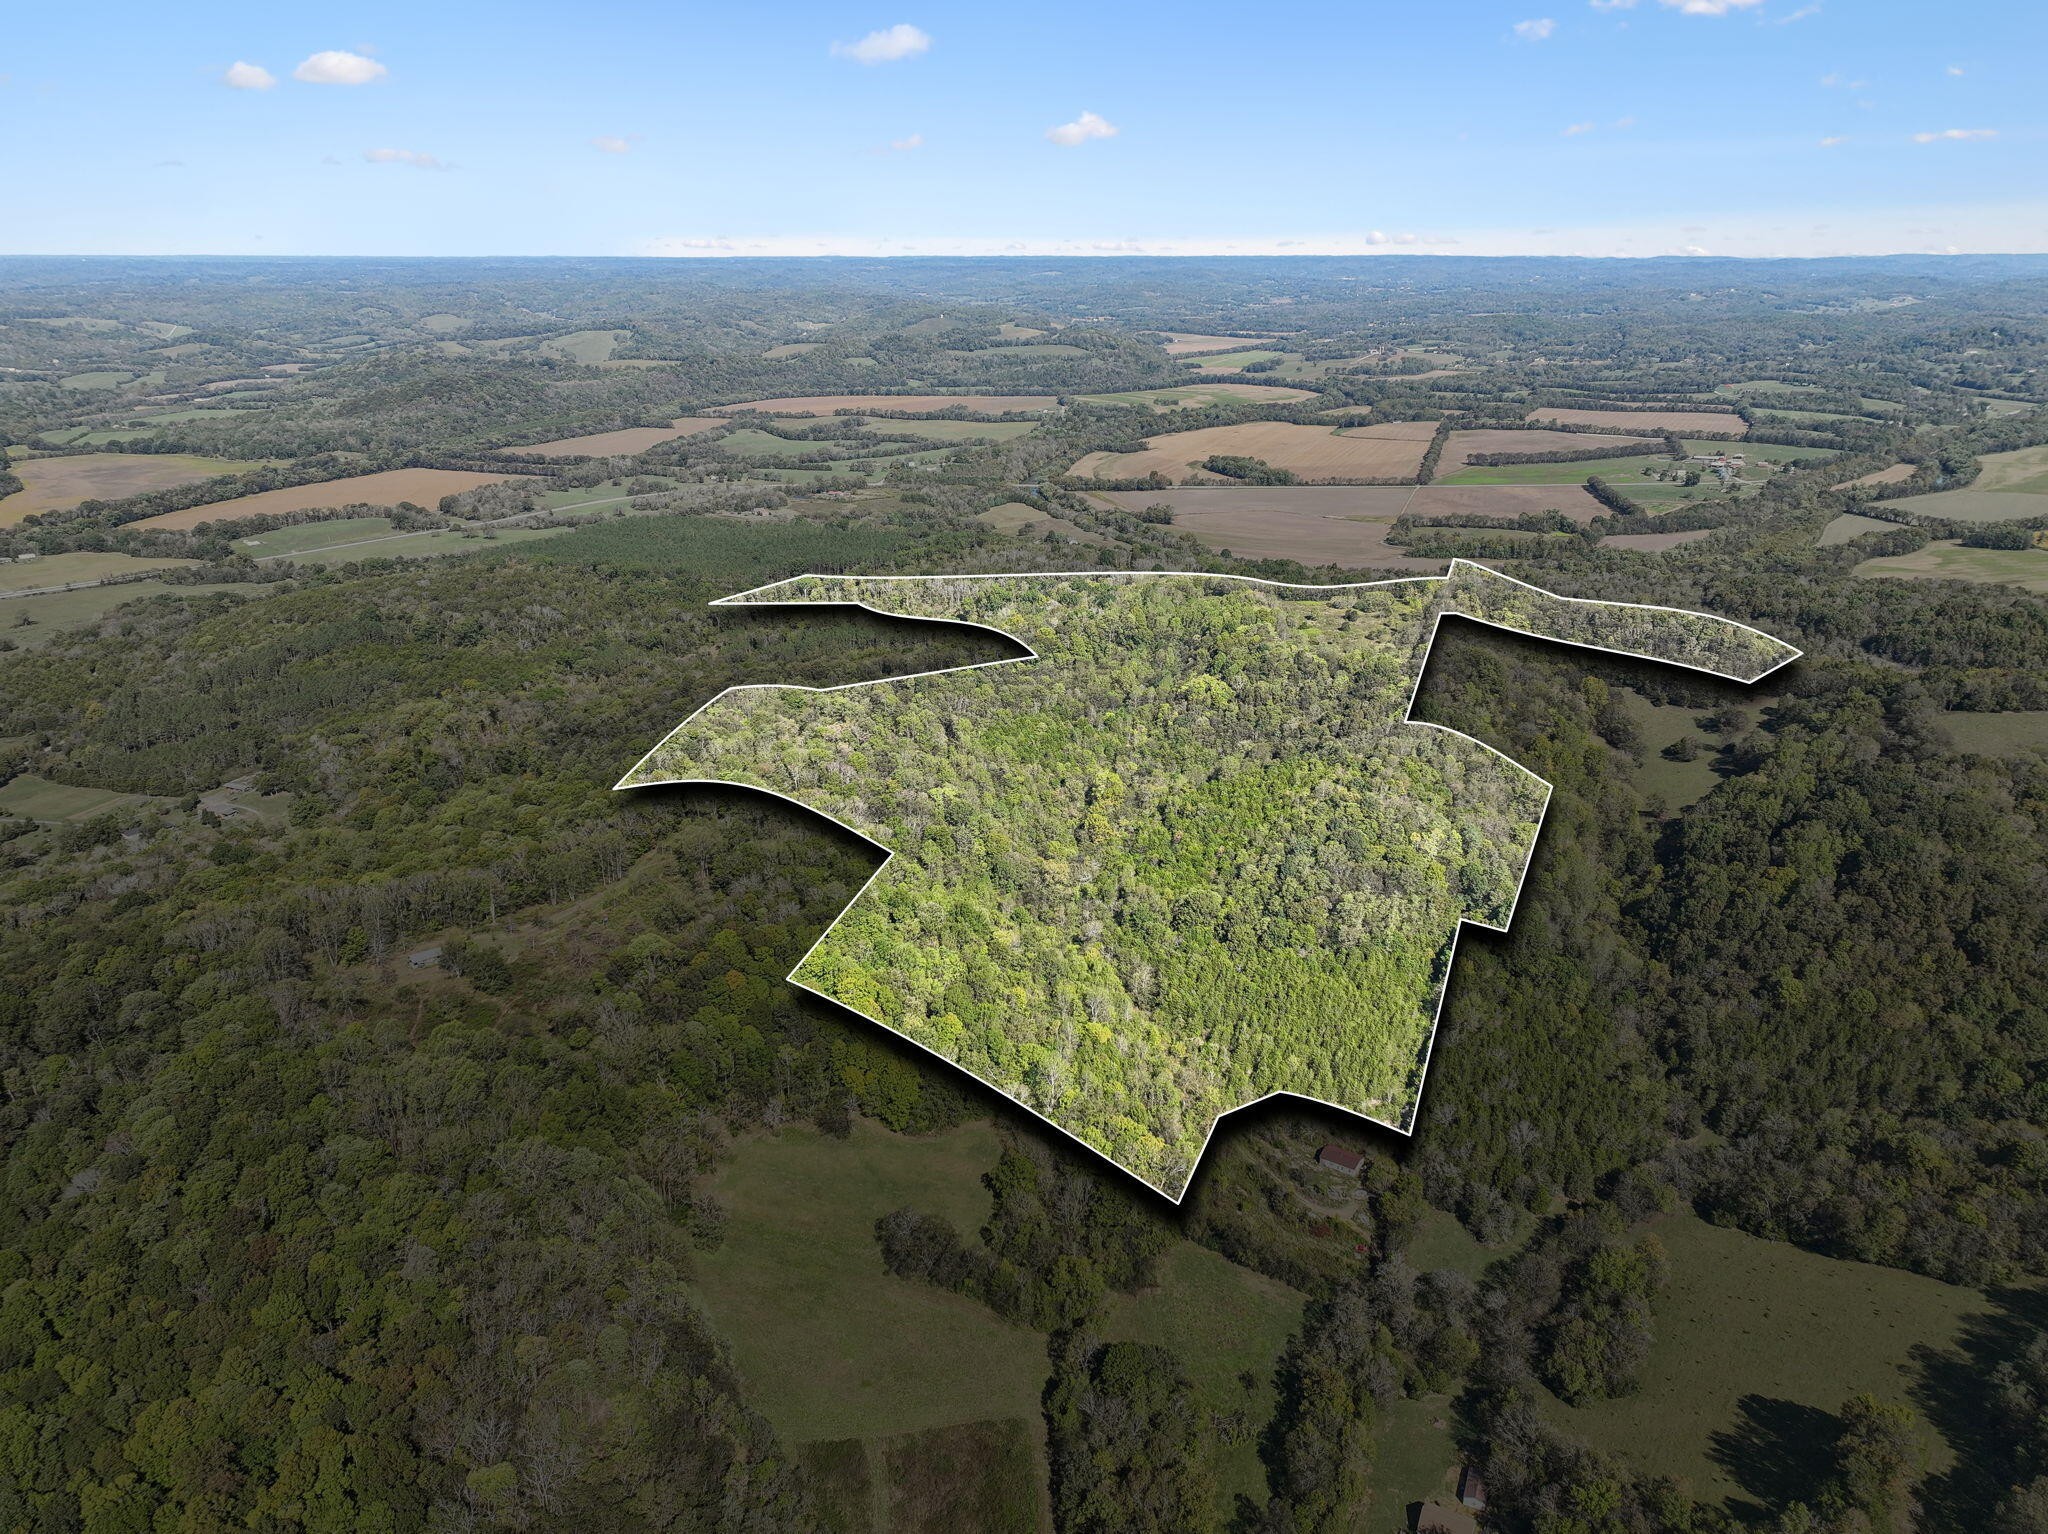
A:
[1193,396]
[2024,568]
[54,484]
[624,442]
[834,404]
[422,487]
[2008,487]
[1180,343]
[65,569]
[1391,451]
[1461,445]
[1637,421]
[1886,476]
[1848,527]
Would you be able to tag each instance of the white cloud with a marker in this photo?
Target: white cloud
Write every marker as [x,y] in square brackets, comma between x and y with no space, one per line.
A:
[1834,80]
[335,67]
[903,145]
[1081,129]
[413,157]
[1955,135]
[1624,122]
[1534,31]
[902,41]
[1708,7]
[1789,17]
[1692,250]
[1955,69]
[247,77]
[612,143]
[1576,129]
[1833,139]
[1612,5]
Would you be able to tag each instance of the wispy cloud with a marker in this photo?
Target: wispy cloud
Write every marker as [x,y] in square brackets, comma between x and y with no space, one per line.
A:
[1708,7]
[1577,128]
[1535,30]
[1956,70]
[906,144]
[613,143]
[417,159]
[902,41]
[1834,80]
[1833,139]
[1082,129]
[1789,17]
[1955,135]
[338,67]
[240,76]
[1612,5]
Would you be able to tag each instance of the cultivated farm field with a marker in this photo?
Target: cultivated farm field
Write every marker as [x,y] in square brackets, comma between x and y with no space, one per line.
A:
[55,484]
[1461,445]
[422,487]
[1343,525]
[1186,343]
[1889,475]
[1392,451]
[623,443]
[64,569]
[1636,421]
[1193,396]
[2024,568]
[834,404]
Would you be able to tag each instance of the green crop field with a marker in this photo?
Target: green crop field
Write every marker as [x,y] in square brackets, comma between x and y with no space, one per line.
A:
[1757,1344]
[830,1344]
[2024,568]
[63,569]
[425,545]
[307,536]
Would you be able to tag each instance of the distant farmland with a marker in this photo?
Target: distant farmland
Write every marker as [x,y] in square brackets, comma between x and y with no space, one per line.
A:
[1193,396]
[1392,451]
[1182,344]
[55,484]
[1886,476]
[1459,449]
[422,487]
[622,443]
[1342,525]
[1637,421]
[2024,568]
[832,404]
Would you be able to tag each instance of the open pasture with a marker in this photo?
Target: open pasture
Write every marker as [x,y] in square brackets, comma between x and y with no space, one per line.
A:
[1311,452]
[1757,1345]
[422,487]
[1971,505]
[1616,471]
[1194,396]
[2024,470]
[1461,445]
[2019,733]
[623,443]
[1848,527]
[2024,568]
[1638,422]
[835,404]
[66,569]
[586,346]
[35,798]
[54,484]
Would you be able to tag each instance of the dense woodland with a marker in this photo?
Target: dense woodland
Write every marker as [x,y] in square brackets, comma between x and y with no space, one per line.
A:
[297,1234]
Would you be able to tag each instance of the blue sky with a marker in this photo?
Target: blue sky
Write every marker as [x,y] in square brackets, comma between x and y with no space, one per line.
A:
[1600,127]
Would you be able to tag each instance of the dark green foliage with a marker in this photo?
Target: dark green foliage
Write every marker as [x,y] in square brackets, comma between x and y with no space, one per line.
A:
[1129,1444]
[1248,471]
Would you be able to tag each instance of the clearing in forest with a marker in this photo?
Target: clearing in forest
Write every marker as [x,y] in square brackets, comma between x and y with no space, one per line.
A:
[1389,451]
[1639,422]
[916,404]
[1181,343]
[422,487]
[626,442]
[2024,568]
[1461,446]
[1886,476]
[1194,396]
[56,484]
[1189,852]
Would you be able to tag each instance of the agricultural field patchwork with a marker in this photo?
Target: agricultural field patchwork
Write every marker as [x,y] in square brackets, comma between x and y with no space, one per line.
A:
[422,487]
[1636,422]
[58,483]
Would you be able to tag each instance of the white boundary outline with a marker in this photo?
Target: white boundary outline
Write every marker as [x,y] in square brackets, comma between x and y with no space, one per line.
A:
[1408,717]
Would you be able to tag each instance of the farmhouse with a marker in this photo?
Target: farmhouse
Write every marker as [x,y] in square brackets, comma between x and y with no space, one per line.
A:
[1338,1159]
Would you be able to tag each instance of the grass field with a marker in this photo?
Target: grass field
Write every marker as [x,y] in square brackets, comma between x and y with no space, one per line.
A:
[422,487]
[51,615]
[831,1345]
[832,404]
[2009,734]
[1186,343]
[53,484]
[2025,568]
[1889,475]
[105,379]
[1223,1321]
[1415,1459]
[1848,527]
[39,799]
[1636,422]
[312,535]
[1194,396]
[63,569]
[1617,471]
[2024,470]
[586,346]
[1389,451]
[1971,505]
[623,443]
[1020,520]
[980,1476]
[1677,784]
[1757,1344]
[426,545]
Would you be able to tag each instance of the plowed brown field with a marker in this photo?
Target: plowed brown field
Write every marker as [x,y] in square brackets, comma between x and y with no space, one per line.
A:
[623,442]
[1390,451]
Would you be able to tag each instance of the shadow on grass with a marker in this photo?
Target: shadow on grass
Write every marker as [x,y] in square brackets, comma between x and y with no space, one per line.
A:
[1954,1392]
[1778,1452]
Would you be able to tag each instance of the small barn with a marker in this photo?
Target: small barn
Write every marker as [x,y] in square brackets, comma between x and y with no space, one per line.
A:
[1472,1489]
[1338,1159]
